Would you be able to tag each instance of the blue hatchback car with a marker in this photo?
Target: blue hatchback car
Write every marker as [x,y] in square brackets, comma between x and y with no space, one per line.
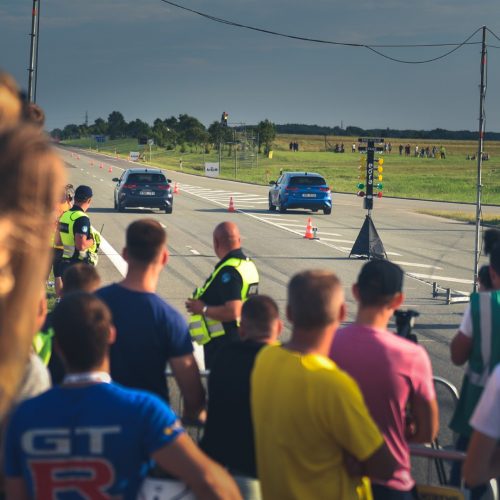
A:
[300,190]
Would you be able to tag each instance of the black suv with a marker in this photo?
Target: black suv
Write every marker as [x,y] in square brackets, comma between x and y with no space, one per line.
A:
[143,187]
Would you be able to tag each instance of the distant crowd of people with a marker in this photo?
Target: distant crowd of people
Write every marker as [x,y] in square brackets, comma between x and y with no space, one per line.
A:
[330,413]
[422,152]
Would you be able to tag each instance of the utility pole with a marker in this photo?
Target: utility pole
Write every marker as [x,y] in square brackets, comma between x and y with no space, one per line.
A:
[32,70]
[482,96]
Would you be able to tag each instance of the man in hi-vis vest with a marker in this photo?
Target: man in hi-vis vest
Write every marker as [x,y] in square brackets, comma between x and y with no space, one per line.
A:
[216,306]
[79,239]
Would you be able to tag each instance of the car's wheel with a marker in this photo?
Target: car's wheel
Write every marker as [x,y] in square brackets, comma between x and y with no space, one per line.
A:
[281,207]
[168,209]
[314,210]
[121,207]
[272,208]
[327,211]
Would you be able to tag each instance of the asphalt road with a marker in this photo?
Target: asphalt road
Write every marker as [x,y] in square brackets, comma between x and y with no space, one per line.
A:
[428,248]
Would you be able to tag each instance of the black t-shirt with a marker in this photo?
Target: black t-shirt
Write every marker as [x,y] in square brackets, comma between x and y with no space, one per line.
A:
[228,436]
[82,224]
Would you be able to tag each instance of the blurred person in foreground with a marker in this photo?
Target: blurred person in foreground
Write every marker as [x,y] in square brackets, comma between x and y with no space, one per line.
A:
[228,436]
[314,436]
[11,106]
[393,373]
[100,440]
[150,332]
[80,277]
[483,454]
[32,178]
[476,343]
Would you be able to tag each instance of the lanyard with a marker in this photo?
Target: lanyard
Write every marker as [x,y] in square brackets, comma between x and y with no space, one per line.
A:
[87,377]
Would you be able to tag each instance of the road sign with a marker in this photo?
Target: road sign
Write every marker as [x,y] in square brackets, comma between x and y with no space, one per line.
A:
[100,138]
[212,169]
[151,142]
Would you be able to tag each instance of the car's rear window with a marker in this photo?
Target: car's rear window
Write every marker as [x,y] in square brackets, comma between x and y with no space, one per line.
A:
[306,180]
[147,178]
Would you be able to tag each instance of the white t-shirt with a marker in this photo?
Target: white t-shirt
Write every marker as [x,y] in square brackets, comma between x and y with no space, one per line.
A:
[466,324]
[486,417]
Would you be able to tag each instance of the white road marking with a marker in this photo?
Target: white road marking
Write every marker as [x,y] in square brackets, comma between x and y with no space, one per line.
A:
[320,236]
[193,251]
[287,220]
[330,234]
[394,253]
[163,225]
[115,258]
[415,264]
[440,278]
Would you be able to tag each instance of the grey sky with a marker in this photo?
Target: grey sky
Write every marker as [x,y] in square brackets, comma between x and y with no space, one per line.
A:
[148,60]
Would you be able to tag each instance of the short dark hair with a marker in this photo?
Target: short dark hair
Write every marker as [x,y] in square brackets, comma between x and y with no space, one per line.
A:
[81,277]
[491,238]
[258,314]
[495,259]
[81,324]
[484,277]
[378,282]
[311,298]
[145,240]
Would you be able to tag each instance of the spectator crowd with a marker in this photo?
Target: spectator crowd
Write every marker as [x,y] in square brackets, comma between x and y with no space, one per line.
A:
[330,413]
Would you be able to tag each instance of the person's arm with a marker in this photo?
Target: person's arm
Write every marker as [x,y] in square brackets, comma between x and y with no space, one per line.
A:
[16,489]
[460,348]
[483,460]
[207,480]
[425,420]
[380,465]
[187,376]
[229,311]
[83,242]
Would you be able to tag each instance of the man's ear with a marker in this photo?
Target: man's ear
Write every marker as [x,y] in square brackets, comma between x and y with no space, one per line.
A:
[125,254]
[112,335]
[343,312]
[355,291]
[164,257]
[397,300]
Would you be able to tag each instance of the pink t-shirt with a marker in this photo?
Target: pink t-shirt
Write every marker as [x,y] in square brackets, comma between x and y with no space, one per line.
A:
[386,368]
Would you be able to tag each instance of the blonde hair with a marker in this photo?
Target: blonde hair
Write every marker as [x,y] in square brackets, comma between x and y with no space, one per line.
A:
[32,179]
[10,104]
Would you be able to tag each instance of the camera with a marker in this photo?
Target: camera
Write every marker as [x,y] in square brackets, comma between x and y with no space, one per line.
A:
[405,321]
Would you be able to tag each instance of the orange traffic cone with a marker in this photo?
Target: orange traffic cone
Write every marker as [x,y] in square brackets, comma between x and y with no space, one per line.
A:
[231,205]
[176,188]
[101,166]
[110,169]
[77,157]
[309,230]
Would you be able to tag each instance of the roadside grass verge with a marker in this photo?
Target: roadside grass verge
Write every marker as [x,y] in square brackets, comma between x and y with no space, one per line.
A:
[450,179]
[470,217]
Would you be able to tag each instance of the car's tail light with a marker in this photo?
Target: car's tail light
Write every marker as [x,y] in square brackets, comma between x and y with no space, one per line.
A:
[325,190]
[163,187]
[130,186]
[291,188]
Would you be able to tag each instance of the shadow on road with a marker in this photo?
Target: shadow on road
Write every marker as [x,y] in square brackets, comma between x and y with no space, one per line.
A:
[109,210]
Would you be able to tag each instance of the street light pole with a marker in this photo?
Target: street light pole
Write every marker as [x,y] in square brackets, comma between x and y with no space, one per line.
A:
[479,187]
[35,24]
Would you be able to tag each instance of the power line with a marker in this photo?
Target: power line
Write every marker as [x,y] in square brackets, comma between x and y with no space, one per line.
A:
[373,48]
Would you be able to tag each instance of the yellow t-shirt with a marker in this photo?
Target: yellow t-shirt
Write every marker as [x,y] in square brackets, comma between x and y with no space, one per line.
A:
[305,412]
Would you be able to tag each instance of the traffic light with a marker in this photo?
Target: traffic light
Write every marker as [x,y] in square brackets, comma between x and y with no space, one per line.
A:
[223,119]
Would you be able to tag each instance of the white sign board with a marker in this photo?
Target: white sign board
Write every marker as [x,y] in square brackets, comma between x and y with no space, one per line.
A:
[151,142]
[134,156]
[212,169]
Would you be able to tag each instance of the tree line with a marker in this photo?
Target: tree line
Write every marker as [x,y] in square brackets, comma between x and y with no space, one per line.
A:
[350,131]
[168,133]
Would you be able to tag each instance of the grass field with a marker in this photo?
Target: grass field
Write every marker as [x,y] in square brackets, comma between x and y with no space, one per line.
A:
[450,179]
